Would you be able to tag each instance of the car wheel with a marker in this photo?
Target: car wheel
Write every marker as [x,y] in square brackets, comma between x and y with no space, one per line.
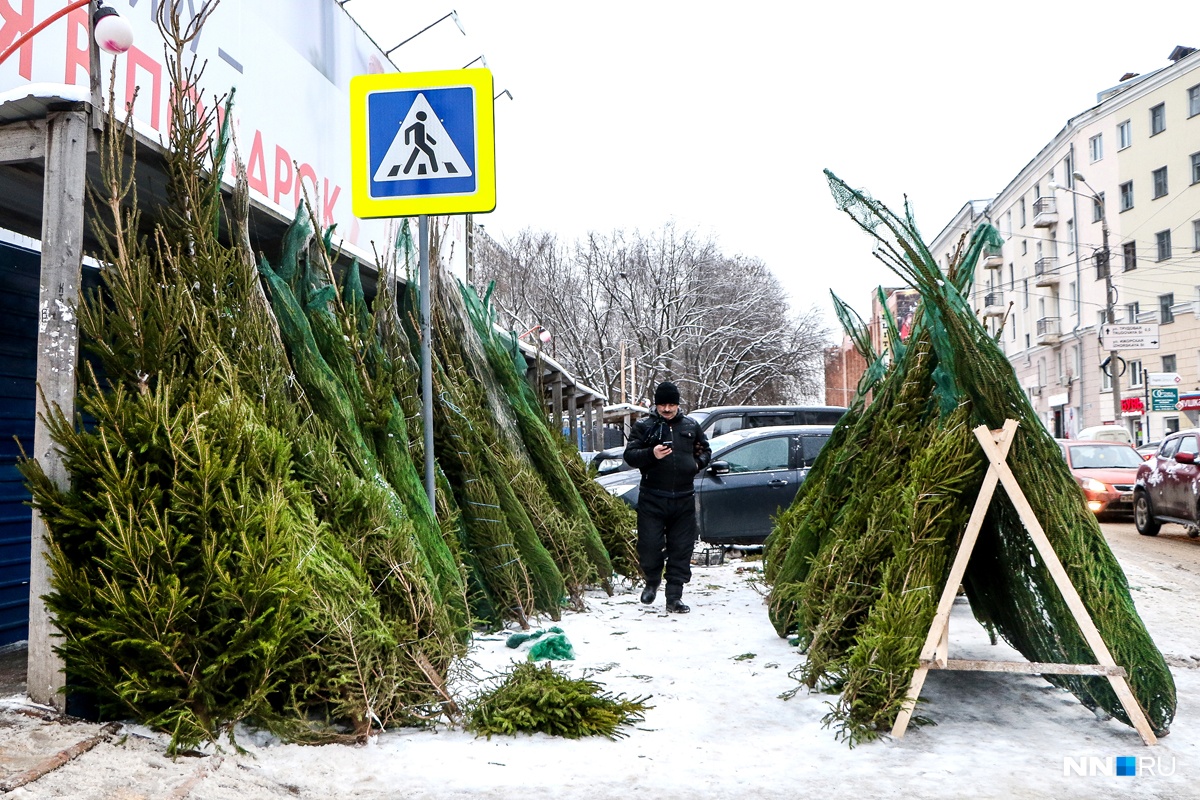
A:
[1143,516]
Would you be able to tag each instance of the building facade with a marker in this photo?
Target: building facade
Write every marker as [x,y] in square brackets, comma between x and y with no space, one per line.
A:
[1102,227]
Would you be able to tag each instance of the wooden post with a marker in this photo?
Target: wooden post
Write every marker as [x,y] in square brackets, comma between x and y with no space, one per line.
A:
[571,400]
[556,402]
[589,425]
[58,340]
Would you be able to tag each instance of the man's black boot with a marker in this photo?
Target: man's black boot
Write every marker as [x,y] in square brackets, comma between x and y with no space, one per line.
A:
[675,599]
[649,593]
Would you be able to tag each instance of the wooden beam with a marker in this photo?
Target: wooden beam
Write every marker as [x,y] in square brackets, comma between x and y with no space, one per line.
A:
[1024,667]
[58,352]
[23,141]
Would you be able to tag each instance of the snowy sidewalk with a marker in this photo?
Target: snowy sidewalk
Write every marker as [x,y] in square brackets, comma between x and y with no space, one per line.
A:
[717,729]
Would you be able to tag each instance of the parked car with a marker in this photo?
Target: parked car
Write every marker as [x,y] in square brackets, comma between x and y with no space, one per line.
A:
[754,473]
[1106,471]
[719,420]
[609,460]
[1147,450]
[1168,485]
[1105,433]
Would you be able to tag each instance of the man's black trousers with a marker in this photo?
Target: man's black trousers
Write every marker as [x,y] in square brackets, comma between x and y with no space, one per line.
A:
[666,533]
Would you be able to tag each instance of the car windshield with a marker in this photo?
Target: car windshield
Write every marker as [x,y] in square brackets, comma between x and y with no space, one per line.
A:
[1104,456]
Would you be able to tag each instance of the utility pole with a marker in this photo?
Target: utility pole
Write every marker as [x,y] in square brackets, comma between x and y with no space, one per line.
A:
[1104,260]
[1105,257]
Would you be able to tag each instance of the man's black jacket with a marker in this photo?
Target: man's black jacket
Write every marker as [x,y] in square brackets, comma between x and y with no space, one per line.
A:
[671,476]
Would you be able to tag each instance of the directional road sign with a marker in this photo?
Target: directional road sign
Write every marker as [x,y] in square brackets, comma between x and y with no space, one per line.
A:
[422,143]
[1129,337]
[1163,378]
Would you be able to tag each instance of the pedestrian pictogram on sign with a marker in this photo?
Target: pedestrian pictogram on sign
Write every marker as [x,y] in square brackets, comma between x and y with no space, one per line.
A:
[422,143]
[422,148]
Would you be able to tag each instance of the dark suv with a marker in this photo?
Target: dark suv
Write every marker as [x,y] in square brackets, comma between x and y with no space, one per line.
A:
[718,420]
[1168,485]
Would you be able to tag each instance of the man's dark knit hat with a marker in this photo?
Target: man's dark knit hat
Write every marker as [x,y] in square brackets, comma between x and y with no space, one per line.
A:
[666,392]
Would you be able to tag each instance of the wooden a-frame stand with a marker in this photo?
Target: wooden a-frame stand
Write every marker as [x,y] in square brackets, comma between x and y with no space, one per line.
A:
[934,655]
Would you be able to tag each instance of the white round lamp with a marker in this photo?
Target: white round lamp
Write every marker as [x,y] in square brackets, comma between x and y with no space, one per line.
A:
[112,32]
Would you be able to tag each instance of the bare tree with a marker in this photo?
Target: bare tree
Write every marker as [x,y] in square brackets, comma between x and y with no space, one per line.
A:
[718,326]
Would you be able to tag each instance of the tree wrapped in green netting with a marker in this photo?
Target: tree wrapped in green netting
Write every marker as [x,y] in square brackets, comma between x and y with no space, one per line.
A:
[547,450]
[226,548]
[860,559]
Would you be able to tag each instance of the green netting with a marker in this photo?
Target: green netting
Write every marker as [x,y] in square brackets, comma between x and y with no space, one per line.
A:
[859,560]
[507,369]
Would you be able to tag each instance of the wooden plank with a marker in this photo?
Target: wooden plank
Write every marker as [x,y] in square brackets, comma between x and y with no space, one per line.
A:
[1074,602]
[23,141]
[939,629]
[57,355]
[1025,667]
[58,759]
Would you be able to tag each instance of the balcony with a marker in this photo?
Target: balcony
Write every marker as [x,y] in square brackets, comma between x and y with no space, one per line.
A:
[1048,330]
[1045,212]
[1045,271]
[992,259]
[993,304]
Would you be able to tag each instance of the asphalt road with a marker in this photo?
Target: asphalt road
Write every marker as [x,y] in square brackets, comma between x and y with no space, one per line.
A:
[1172,543]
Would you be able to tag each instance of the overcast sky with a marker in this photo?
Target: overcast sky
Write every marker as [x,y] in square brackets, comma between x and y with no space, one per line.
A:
[721,115]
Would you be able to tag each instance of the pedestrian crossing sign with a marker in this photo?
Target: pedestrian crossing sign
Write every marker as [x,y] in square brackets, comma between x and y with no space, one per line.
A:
[422,143]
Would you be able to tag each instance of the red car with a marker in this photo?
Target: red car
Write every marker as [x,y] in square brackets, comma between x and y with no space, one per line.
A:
[1168,485]
[1106,471]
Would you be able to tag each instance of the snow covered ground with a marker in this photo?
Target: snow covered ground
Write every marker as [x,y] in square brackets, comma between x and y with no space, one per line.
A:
[718,727]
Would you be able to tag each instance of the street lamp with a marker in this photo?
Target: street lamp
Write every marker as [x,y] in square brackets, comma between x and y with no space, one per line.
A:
[1104,260]
[452,15]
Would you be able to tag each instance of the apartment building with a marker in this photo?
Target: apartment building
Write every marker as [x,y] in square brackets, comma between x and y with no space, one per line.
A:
[1105,219]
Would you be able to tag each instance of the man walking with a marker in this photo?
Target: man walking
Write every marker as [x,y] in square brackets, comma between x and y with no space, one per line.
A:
[670,450]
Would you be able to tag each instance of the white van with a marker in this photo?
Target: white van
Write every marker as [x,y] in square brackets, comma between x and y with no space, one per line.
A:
[1105,433]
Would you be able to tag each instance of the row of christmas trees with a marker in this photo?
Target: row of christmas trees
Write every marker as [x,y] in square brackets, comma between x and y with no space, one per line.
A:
[246,534]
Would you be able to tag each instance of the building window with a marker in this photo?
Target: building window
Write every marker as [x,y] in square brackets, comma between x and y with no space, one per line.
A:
[1135,373]
[1131,312]
[1098,207]
[1027,341]
[1194,100]
[1025,287]
[1163,240]
[1070,236]
[1129,249]
[1195,167]
[1196,234]
[1169,363]
[1165,301]
[1024,247]
[1008,224]
[1021,208]
[1160,182]
[1124,135]
[1158,119]
[1127,195]
[1012,278]
[1096,147]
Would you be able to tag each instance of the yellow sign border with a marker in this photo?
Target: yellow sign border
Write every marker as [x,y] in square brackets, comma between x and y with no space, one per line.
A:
[481,201]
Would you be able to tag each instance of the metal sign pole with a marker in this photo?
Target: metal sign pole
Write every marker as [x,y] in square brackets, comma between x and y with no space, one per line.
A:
[426,358]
